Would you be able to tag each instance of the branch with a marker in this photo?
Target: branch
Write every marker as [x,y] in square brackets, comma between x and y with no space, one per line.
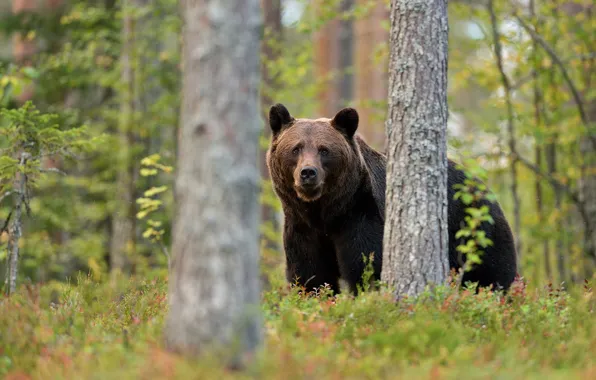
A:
[570,83]
[555,183]
[52,170]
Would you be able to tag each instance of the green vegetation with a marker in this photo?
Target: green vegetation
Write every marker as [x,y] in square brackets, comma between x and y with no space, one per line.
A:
[93,330]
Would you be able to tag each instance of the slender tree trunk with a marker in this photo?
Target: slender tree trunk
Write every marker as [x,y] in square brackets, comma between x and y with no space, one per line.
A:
[273,31]
[370,79]
[415,247]
[326,59]
[16,224]
[538,148]
[345,43]
[214,287]
[551,163]
[23,49]
[122,242]
[510,131]
[587,144]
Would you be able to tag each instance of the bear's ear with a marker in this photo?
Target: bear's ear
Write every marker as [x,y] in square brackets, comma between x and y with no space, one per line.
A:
[346,121]
[279,116]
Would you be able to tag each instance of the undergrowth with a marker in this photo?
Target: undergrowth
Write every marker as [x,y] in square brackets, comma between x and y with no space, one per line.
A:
[92,330]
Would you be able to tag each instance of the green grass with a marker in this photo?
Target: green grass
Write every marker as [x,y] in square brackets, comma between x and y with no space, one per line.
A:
[102,331]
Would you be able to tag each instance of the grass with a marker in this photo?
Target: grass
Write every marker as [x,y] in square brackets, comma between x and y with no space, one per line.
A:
[99,331]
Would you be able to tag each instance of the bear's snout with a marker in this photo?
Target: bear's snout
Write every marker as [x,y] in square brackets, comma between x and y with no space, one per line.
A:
[308,175]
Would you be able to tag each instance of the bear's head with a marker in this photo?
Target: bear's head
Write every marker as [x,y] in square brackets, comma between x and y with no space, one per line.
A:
[310,158]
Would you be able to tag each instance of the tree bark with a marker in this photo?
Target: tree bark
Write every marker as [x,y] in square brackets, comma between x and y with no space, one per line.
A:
[345,43]
[326,60]
[370,79]
[511,138]
[122,241]
[415,247]
[214,288]
[272,24]
[538,148]
[24,48]
[16,226]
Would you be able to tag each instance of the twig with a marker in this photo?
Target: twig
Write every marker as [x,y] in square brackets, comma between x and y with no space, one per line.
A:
[570,83]
[510,124]
[52,170]
[555,183]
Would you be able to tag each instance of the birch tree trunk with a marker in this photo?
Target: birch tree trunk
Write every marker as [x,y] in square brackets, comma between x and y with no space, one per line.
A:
[214,288]
[415,246]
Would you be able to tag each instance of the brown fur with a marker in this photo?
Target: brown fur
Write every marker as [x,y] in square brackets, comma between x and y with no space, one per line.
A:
[337,216]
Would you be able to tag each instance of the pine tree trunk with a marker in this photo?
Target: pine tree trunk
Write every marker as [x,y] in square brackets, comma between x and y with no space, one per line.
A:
[370,77]
[326,60]
[214,288]
[273,27]
[345,42]
[122,241]
[415,247]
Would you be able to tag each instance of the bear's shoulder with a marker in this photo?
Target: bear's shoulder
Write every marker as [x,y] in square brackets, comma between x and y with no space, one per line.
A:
[375,164]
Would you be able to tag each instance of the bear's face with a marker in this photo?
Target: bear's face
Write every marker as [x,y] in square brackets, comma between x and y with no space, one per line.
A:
[311,156]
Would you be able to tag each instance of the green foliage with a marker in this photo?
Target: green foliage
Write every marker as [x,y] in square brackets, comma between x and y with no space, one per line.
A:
[474,194]
[76,76]
[97,331]
[150,202]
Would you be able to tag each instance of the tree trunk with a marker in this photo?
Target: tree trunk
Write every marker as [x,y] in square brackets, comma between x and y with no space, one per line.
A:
[273,27]
[214,288]
[538,148]
[15,229]
[345,43]
[587,183]
[370,79]
[415,247]
[326,59]
[24,48]
[123,220]
[511,138]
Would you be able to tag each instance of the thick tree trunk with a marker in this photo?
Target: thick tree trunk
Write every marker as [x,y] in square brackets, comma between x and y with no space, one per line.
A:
[214,288]
[122,241]
[415,247]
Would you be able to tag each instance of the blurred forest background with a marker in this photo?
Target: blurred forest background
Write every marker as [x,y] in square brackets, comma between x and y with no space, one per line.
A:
[104,76]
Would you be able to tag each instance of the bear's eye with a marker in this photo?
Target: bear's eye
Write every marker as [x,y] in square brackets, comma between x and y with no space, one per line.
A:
[323,151]
[295,150]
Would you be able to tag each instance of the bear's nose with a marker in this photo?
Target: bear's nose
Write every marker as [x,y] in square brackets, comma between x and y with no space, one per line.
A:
[308,172]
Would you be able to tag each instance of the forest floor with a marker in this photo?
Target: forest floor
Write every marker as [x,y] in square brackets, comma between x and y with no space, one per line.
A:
[105,331]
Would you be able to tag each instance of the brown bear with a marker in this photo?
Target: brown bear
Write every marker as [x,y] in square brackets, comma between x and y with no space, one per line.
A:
[332,189]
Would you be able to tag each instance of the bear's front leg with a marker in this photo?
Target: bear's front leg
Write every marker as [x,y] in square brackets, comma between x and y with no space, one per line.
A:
[310,258]
[359,237]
